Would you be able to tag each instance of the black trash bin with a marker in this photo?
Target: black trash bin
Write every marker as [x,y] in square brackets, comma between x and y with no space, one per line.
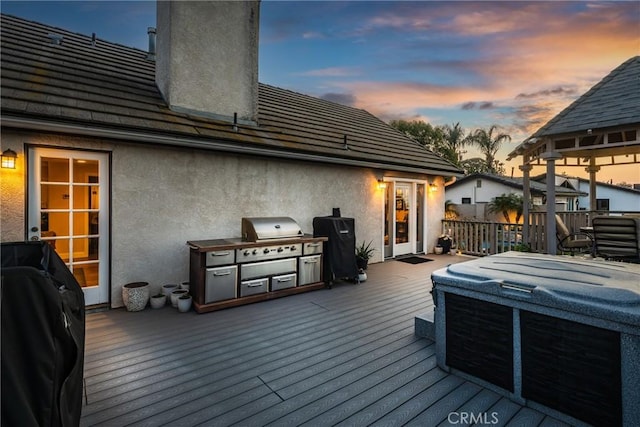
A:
[339,249]
[43,334]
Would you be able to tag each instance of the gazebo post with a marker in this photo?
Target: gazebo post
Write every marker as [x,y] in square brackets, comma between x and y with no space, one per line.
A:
[550,225]
[526,200]
[592,169]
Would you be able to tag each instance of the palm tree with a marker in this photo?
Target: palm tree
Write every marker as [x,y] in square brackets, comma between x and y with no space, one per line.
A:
[453,143]
[507,203]
[489,145]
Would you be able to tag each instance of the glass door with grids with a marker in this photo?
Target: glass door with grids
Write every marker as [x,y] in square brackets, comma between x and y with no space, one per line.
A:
[69,208]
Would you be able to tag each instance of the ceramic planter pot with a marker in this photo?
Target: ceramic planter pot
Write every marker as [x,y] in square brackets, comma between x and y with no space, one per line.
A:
[184,303]
[135,295]
[158,301]
[184,285]
[437,250]
[177,294]
[167,289]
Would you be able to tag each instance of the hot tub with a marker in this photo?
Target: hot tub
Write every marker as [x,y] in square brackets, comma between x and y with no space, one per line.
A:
[559,334]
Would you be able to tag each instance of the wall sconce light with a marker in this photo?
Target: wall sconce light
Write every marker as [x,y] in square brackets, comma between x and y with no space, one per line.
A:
[381,184]
[433,187]
[9,159]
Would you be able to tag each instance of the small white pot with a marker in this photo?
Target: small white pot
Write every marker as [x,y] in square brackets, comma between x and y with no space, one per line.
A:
[158,302]
[167,289]
[177,294]
[184,285]
[184,303]
[437,250]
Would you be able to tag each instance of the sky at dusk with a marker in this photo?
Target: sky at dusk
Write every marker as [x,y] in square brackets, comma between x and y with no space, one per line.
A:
[515,64]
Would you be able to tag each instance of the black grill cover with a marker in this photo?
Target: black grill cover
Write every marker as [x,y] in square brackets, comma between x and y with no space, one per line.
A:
[340,249]
[43,333]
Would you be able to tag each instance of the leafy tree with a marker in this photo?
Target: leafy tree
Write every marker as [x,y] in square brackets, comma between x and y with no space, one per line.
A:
[422,132]
[474,165]
[489,144]
[450,210]
[505,204]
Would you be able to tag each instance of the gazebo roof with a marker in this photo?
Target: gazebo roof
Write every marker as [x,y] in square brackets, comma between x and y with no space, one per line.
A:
[602,123]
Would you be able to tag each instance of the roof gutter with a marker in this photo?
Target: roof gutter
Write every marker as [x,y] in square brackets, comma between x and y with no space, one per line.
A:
[213,145]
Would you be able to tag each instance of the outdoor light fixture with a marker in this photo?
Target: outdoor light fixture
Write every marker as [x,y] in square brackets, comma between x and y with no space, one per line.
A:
[433,186]
[9,159]
[381,184]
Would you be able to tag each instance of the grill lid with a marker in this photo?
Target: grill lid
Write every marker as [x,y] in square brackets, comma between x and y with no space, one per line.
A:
[264,228]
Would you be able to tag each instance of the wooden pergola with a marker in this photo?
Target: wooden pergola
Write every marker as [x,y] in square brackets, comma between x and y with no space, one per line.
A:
[599,129]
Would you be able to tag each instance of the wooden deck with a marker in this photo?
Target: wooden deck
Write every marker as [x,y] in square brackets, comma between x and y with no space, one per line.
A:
[342,356]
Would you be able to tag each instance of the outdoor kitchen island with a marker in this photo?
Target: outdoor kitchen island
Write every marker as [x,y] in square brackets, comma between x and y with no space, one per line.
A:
[272,259]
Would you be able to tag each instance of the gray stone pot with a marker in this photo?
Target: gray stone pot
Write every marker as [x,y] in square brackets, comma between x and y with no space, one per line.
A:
[135,295]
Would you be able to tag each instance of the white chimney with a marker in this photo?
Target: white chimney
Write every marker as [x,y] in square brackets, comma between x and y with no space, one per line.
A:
[207,57]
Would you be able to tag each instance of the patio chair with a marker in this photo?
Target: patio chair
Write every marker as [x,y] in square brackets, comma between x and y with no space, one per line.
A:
[572,242]
[617,237]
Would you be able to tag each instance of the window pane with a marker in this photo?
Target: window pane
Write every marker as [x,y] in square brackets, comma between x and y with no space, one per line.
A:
[85,249]
[54,196]
[86,274]
[54,170]
[85,197]
[85,171]
[57,222]
[62,248]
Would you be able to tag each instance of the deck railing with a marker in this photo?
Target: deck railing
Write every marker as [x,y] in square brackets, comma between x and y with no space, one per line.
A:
[485,238]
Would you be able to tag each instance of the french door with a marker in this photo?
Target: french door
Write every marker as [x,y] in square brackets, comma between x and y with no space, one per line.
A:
[404,231]
[69,208]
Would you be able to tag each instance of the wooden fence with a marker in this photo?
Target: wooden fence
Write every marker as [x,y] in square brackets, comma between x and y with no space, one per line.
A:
[482,238]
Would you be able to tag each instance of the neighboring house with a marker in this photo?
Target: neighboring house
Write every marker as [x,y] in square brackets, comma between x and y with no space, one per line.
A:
[608,197]
[122,159]
[474,192]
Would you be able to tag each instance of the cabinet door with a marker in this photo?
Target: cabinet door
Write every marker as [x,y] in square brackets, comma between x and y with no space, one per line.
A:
[309,271]
[221,283]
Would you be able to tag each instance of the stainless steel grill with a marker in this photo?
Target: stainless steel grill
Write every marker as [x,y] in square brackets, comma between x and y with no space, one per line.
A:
[269,228]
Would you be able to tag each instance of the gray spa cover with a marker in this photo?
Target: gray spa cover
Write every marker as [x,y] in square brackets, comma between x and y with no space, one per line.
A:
[603,289]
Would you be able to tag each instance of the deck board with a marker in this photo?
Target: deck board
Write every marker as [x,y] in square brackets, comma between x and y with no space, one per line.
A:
[343,356]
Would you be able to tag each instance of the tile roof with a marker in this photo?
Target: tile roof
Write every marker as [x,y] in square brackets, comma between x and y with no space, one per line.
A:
[614,101]
[106,89]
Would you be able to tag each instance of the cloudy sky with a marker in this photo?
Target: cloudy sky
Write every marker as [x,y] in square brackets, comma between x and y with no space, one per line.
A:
[515,64]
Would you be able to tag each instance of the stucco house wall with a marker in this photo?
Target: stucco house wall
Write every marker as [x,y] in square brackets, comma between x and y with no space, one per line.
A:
[162,196]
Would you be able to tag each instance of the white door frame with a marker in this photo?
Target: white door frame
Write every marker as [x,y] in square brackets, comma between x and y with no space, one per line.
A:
[93,294]
[410,246]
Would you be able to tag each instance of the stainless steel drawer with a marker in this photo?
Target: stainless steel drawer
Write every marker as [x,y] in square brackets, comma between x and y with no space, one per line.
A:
[252,287]
[220,258]
[283,282]
[221,283]
[311,248]
[267,268]
[310,269]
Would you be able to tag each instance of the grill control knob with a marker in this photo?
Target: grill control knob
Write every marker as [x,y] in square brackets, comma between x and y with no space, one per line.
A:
[255,251]
[280,249]
[246,253]
[293,248]
[266,251]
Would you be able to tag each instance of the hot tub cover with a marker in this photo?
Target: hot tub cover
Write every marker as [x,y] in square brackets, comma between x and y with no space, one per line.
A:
[606,290]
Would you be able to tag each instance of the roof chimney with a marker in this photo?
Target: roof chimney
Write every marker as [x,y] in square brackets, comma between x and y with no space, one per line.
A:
[207,57]
[151,55]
